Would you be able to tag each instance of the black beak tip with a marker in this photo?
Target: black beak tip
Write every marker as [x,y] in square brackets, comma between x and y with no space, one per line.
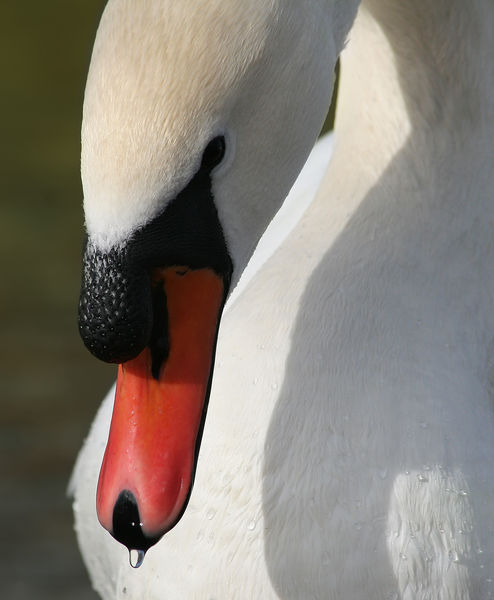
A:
[127,526]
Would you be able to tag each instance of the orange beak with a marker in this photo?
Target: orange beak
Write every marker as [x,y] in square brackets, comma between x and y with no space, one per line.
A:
[159,413]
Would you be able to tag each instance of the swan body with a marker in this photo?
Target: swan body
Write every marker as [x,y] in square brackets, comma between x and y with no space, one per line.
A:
[349,442]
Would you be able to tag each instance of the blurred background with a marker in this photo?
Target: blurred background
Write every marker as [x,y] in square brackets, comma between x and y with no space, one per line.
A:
[49,384]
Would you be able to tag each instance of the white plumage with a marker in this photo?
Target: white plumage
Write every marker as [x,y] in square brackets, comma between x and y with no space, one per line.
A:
[349,447]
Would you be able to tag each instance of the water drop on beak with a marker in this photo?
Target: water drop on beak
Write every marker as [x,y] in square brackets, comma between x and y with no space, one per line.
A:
[136,558]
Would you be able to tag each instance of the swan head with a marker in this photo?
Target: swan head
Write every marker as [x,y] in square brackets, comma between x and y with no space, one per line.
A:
[166,78]
[197,118]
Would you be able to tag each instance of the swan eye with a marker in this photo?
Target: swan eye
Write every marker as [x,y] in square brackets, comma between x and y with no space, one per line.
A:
[213,153]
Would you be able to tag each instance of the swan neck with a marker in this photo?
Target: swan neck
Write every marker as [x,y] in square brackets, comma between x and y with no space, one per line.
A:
[417,66]
[410,181]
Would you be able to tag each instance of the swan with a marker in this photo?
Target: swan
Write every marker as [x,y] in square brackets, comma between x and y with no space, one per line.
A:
[349,441]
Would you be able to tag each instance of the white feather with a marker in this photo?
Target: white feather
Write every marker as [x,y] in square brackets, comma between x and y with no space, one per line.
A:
[349,447]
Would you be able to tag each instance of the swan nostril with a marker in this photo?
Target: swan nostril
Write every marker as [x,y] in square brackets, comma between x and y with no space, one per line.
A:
[127,526]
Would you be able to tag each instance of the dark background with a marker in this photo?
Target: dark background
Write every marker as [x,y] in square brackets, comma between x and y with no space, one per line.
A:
[50,386]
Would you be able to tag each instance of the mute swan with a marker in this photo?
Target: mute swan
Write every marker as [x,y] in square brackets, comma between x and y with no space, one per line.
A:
[349,443]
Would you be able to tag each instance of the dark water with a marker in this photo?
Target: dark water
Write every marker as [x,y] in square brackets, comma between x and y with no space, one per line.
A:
[49,385]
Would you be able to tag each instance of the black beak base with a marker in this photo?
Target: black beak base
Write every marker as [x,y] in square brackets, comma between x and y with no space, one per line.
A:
[116,316]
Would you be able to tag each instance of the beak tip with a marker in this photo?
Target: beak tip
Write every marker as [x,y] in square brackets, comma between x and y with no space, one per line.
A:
[127,525]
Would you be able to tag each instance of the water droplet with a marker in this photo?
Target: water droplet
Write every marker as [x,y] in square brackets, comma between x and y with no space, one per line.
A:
[251,525]
[200,535]
[480,551]
[453,556]
[407,472]
[462,493]
[383,473]
[210,515]
[124,591]
[424,424]
[136,558]
[427,468]
[488,580]
[403,556]
[255,380]
[422,478]
[274,386]
[358,525]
